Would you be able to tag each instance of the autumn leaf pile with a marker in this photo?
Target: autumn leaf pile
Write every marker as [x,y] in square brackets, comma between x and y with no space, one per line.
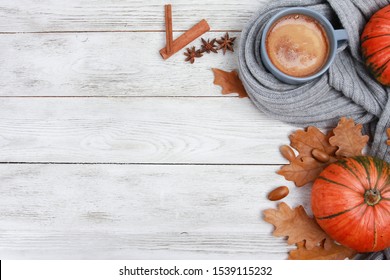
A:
[346,140]
[314,150]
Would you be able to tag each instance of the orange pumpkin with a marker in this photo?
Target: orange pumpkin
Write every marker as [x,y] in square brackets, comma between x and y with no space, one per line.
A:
[375,42]
[351,202]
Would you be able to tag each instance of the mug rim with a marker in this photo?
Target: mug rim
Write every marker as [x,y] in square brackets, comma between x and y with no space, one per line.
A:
[330,32]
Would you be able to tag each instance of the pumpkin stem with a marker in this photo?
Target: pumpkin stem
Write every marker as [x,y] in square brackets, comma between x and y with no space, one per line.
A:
[372,197]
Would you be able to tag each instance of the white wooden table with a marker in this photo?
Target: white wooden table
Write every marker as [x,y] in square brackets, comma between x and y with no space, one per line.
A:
[109,152]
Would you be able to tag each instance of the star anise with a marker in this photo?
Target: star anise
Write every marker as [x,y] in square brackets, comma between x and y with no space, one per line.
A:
[226,43]
[191,54]
[209,46]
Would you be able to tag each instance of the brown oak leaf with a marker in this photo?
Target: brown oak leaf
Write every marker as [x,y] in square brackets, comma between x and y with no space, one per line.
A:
[229,81]
[388,136]
[332,251]
[303,170]
[295,224]
[348,138]
[304,141]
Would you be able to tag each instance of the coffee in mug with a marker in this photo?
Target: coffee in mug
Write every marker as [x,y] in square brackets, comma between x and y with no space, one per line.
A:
[297,45]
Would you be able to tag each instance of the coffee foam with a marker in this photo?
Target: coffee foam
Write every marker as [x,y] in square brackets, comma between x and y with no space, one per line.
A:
[297,45]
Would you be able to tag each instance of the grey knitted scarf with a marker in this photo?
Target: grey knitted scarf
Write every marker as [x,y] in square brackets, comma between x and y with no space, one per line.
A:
[346,90]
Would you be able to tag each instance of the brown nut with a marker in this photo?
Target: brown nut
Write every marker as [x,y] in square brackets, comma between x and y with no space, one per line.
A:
[287,152]
[278,193]
[320,155]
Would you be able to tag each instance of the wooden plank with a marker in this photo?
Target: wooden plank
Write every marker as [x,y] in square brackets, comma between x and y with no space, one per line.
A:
[139,130]
[104,64]
[121,15]
[55,211]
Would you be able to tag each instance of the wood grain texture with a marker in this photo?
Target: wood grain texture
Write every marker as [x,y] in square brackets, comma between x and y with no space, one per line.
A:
[165,170]
[139,212]
[121,15]
[104,64]
[139,130]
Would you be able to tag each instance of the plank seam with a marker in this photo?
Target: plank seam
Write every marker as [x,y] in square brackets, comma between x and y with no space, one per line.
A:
[105,31]
[136,163]
[119,96]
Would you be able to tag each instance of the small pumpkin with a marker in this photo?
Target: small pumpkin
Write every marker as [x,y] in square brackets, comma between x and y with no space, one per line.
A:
[351,202]
[375,43]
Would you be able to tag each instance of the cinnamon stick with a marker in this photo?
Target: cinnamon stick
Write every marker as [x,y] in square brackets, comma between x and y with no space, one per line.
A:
[187,37]
[168,28]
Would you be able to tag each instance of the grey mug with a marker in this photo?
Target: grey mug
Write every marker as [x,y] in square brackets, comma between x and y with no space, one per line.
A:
[335,37]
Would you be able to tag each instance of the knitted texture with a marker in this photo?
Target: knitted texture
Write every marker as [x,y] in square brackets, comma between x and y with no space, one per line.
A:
[347,89]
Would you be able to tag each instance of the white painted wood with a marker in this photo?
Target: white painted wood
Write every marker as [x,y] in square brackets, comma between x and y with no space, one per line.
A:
[139,130]
[121,15]
[157,124]
[139,212]
[104,64]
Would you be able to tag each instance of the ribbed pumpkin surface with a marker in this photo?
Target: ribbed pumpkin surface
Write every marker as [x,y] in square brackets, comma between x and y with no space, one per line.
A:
[351,202]
[375,43]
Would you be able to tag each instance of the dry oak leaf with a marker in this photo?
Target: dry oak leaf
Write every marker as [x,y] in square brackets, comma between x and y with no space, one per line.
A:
[348,138]
[332,252]
[295,224]
[229,81]
[302,170]
[305,141]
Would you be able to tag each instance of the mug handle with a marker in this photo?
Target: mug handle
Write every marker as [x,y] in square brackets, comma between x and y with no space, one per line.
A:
[341,36]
